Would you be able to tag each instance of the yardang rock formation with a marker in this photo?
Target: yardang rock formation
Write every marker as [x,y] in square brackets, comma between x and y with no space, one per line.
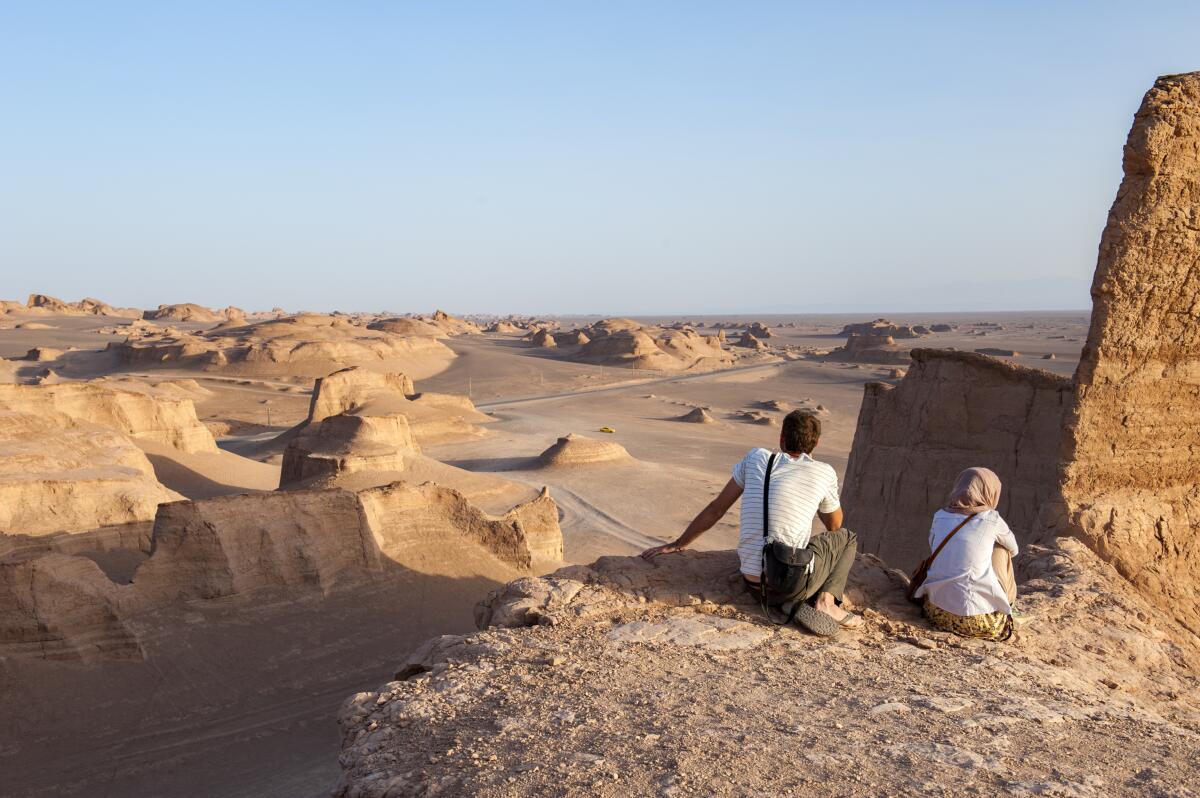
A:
[1112,456]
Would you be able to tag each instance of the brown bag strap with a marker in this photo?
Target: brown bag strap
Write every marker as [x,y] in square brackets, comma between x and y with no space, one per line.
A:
[946,540]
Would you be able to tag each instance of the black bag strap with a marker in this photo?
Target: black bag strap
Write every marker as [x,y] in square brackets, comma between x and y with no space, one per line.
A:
[946,539]
[767,494]
[762,574]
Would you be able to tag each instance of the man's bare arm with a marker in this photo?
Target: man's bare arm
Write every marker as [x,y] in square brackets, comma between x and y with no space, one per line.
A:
[832,520]
[703,522]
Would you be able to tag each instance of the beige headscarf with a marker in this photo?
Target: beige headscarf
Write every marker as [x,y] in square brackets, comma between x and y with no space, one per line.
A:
[975,490]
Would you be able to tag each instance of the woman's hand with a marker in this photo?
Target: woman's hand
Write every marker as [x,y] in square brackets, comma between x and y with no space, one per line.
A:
[666,548]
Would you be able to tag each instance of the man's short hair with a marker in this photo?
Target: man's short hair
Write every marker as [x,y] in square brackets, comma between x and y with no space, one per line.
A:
[801,431]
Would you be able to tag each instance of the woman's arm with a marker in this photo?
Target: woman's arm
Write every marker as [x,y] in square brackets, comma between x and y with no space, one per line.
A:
[703,522]
[1006,538]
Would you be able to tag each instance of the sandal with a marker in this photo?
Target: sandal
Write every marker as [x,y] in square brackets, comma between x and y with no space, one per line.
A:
[848,621]
[815,621]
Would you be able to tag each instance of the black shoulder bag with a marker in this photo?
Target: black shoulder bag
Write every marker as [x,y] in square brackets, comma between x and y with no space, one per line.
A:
[784,568]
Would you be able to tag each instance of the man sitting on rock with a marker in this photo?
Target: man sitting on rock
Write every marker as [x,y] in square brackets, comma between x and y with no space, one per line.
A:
[799,488]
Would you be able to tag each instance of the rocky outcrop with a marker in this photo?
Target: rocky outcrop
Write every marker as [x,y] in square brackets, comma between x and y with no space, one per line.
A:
[884,327]
[452,325]
[84,307]
[345,444]
[1133,449]
[624,342]
[44,354]
[185,311]
[318,538]
[62,474]
[759,330]
[143,415]
[306,344]
[951,411]
[1109,457]
[543,338]
[240,544]
[407,520]
[355,390]
[572,338]
[697,415]
[291,544]
[577,450]
[617,674]
[405,325]
[63,608]
[870,348]
[432,417]
[749,341]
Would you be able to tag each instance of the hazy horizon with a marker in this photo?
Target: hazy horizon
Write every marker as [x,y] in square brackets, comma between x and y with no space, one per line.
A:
[678,158]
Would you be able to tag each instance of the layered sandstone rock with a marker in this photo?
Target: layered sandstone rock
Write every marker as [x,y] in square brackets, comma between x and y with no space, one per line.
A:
[405,325]
[63,474]
[870,348]
[1110,457]
[885,327]
[759,330]
[576,450]
[366,428]
[1132,483]
[617,673]
[147,416]
[432,417]
[318,539]
[572,338]
[84,307]
[354,390]
[306,344]
[749,341]
[185,311]
[245,543]
[951,411]
[543,338]
[345,444]
[452,325]
[61,607]
[624,342]
[293,544]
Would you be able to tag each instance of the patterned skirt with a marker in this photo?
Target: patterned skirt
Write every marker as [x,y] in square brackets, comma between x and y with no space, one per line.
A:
[989,626]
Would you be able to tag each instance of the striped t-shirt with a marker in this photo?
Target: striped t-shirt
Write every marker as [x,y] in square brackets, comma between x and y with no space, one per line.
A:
[800,486]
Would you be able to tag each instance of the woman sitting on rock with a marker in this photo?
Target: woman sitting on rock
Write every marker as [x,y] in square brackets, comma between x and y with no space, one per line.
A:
[971,587]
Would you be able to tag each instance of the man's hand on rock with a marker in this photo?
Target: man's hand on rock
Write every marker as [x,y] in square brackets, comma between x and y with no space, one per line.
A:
[666,548]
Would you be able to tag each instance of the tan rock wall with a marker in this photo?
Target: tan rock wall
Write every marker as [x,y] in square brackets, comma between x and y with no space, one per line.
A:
[58,474]
[953,410]
[239,544]
[163,419]
[61,607]
[1133,485]
[1124,473]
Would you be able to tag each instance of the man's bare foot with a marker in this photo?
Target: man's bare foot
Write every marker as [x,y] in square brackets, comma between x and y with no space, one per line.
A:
[848,620]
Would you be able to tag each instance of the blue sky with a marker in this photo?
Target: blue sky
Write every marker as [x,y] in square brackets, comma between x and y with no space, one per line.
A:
[571,157]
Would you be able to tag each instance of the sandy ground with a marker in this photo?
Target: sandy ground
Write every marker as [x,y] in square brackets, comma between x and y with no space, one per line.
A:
[240,699]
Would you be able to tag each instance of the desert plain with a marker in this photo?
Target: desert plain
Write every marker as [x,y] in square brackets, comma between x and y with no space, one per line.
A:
[269,553]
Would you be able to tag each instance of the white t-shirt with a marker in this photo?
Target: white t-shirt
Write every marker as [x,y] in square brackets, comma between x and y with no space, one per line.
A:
[800,486]
[961,579]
